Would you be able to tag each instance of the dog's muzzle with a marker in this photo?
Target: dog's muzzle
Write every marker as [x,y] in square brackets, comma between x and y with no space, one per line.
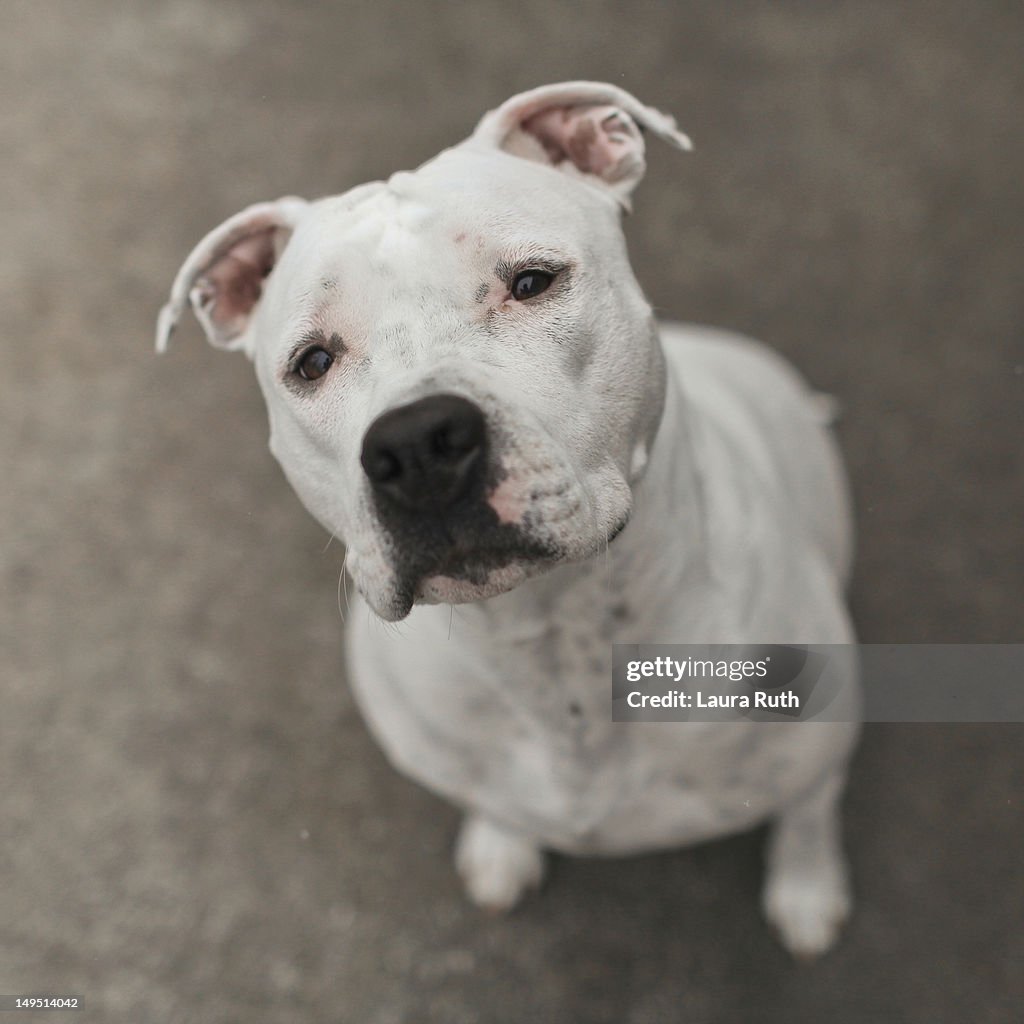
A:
[431,468]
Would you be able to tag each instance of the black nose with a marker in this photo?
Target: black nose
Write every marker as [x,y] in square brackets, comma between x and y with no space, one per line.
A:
[426,454]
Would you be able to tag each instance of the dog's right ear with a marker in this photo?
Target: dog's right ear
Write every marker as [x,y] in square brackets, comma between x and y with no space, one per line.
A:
[223,276]
[589,130]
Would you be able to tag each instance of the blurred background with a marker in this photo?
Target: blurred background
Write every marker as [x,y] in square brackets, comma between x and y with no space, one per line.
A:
[194,824]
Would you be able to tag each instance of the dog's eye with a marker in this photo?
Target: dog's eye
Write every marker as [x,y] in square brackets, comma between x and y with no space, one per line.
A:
[529,283]
[315,362]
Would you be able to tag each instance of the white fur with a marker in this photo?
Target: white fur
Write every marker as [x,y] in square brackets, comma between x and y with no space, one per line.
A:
[497,867]
[739,527]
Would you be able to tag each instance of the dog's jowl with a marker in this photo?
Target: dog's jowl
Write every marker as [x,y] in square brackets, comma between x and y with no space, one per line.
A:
[466,385]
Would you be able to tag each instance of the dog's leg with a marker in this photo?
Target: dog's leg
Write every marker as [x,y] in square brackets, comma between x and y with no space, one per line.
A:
[807,893]
[497,866]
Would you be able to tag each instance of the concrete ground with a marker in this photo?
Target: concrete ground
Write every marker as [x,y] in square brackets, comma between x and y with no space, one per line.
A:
[194,824]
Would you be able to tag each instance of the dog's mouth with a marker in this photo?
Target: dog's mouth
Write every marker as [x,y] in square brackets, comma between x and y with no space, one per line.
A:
[469,569]
[472,577]
[515,524]
[472,568]
[461,551]
[475,584]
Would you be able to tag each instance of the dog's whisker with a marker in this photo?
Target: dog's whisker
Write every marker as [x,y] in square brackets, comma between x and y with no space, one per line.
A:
[607,568]
[341,584]
[344,578]
[395,629]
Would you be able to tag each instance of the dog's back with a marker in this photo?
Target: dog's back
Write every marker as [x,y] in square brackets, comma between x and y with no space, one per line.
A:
[743,396]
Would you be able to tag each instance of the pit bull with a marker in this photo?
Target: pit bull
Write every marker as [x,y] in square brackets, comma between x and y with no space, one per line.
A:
[466,385]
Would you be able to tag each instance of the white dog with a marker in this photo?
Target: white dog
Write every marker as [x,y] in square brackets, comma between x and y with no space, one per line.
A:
[466,385]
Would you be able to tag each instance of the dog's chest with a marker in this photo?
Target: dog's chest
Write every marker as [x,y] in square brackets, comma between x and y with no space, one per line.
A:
[519,724]
[561,678]
[549,717]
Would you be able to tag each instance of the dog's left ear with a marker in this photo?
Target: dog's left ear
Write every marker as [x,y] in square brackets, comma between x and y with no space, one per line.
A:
[591,130]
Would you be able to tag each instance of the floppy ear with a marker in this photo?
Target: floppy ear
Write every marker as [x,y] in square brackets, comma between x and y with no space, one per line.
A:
[223,275]
[591,130]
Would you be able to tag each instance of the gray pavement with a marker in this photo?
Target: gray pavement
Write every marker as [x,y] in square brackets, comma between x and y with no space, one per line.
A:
[194,823]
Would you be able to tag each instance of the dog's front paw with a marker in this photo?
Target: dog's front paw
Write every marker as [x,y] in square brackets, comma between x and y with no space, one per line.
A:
[496,866]
[808,909]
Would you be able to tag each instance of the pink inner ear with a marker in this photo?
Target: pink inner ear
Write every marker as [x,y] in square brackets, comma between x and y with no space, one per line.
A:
[599,140]
[231,285]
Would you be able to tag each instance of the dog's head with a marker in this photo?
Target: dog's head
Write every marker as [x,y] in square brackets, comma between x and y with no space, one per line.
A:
[462,375]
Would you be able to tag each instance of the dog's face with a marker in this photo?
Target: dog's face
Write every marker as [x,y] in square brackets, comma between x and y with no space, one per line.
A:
[461,373]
